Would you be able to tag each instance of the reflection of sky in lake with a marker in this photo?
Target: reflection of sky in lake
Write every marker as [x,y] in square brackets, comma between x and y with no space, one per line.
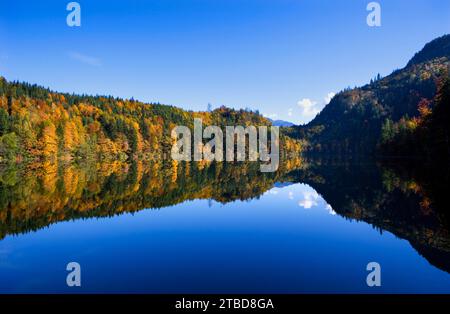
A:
[288,240]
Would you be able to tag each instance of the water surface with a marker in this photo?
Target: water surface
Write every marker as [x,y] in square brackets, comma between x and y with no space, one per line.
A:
[311,227]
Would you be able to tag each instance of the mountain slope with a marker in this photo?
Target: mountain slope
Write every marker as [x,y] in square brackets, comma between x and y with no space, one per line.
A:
[352,121]
[440,47]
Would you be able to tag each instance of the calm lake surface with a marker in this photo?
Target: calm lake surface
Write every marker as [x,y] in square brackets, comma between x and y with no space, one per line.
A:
[143,227]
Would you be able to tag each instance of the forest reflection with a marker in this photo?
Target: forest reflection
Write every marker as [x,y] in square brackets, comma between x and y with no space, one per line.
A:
[411,205]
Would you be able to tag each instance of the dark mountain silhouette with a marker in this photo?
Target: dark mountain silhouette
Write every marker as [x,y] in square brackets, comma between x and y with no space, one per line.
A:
[407,200]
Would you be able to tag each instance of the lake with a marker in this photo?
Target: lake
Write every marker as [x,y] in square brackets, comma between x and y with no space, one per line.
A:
[146,227]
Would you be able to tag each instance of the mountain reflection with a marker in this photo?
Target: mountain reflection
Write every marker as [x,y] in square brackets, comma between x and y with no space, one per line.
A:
[413,206]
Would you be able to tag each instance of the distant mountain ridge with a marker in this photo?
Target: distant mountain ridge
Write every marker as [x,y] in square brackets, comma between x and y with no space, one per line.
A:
[281,123]
[352,121]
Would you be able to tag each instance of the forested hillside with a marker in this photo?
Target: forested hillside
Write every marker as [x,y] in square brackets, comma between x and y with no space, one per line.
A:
[352,122]
[39,124]
[426,135]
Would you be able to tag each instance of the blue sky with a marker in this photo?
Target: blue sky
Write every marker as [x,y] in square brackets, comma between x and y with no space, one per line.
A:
[283,57]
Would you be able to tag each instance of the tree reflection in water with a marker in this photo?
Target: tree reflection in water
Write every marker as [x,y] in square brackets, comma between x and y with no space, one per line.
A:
[409,203]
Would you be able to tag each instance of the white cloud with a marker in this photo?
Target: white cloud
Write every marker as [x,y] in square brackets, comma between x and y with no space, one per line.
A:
[290,112]
[291,195]
[309,199]
[330,209]
[328,97]
[308,108]
[89,60]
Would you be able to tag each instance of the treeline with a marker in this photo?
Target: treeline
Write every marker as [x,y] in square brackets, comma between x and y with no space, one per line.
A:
[427,135]
[39,124]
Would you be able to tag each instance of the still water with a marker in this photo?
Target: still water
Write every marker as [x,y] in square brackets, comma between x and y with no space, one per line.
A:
[218,228]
